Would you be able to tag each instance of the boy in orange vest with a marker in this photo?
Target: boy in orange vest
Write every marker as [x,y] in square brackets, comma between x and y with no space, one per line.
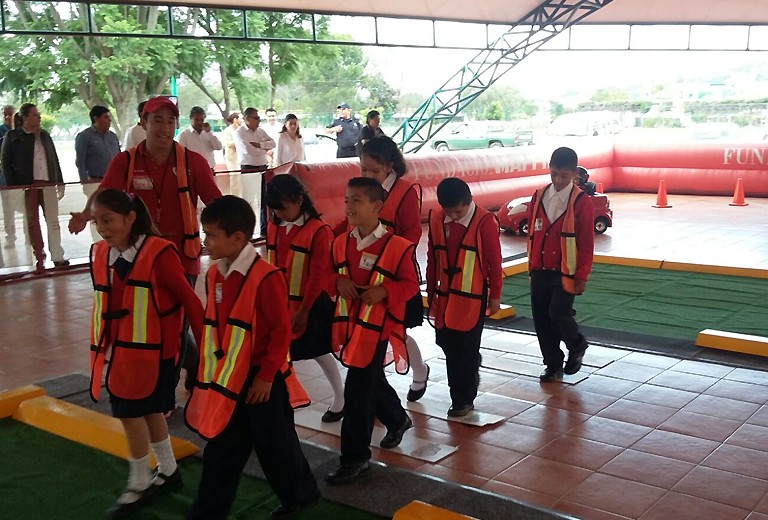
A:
[560,250]
[375,277]
[463,265]
[242,397]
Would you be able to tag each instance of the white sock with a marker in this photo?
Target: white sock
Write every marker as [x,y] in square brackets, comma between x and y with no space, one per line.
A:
[166,461]
[331,370]
[417,364]
[139,478]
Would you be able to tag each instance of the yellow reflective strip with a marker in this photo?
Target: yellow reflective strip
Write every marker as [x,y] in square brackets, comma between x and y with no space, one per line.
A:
[570,255]
[297,272]
[468,271]
[378,279]
[235,344]
[367,312]
[140,307]
[98,305]
[343,310]
[209,347]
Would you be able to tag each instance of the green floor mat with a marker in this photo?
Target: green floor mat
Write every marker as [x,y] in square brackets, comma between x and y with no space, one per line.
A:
[659,302]
[43,476]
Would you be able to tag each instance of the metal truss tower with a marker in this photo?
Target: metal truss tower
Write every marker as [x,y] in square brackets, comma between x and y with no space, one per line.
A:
[539,26]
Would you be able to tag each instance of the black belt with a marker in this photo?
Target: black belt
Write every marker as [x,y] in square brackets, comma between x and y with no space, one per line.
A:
[95,177]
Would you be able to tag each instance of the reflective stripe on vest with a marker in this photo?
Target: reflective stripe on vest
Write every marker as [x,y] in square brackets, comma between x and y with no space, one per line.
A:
[569,251]
[191,244]
[458,300]
[357,327]
[137,348]
[395,197]
[224,368]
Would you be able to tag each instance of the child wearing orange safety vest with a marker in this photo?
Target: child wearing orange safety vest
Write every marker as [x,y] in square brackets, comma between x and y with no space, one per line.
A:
[245,388]
[381,159]
[560,248]
[139,289]
[374,278]
[299,243]
[463,279]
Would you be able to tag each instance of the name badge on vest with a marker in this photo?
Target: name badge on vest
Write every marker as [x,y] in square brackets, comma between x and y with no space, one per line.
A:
[143,182]
[218,293]
[367,261]
[538,224]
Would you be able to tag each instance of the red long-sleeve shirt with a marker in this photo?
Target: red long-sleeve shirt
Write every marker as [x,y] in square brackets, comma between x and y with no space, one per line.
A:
[490,254]
[546,249]
[272,337]
[319,263]
[400,290]
[173,288]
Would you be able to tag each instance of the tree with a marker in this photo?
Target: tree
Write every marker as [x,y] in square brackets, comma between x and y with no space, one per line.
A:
[494,111]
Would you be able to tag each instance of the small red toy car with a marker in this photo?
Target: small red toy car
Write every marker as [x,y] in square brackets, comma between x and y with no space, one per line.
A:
[514,215]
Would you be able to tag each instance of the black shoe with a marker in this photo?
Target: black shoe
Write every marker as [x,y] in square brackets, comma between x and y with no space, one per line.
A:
[347,473]
[573,365]
[551,374]
[122,510]
[283,512]
[330,416]
[415,395]
[60,263]
[393,438]
[162,483]
[460,410]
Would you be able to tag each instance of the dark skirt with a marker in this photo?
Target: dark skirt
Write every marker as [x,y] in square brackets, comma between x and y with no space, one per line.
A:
[414,312]
[162,400]
[316,340]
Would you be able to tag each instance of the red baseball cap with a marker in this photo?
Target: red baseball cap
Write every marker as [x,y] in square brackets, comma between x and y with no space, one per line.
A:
[157,103]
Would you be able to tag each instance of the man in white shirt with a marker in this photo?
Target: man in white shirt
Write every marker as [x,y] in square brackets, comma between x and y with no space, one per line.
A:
[136,133]
[199,138]
[252,145]
[272,128]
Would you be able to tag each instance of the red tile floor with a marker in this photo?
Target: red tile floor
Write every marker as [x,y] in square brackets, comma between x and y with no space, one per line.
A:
[643,437]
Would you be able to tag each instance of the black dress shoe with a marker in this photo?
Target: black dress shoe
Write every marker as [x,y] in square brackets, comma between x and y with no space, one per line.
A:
[551,374]
[415,395]
[393,438]
[460,410]
[573,365]
[284,512]
[330,416]
[162,483]
[347,473]
[122,510]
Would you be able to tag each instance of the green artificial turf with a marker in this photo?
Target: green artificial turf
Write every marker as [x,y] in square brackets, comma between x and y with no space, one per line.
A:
[660,302]
[43,476]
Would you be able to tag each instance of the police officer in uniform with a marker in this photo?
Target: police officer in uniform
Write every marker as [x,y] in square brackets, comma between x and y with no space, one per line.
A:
[347,129]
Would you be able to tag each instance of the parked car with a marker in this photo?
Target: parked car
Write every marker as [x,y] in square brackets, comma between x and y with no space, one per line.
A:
[585,124]
[514,215]
[482,134]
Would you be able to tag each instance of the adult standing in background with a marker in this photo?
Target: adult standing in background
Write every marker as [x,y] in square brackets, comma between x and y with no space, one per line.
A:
[253,143]
[7,196]
[199,138]
[273,129]
[94,149]
[136,133]
[371,130]
[29,158]
[229,183]
[7,125]
[347,130]
[290,145]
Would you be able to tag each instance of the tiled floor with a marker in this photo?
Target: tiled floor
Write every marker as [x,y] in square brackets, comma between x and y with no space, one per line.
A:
[643,437]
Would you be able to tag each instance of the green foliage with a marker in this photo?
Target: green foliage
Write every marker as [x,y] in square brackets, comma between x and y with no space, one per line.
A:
[556,109]
[512,103]
[493,111]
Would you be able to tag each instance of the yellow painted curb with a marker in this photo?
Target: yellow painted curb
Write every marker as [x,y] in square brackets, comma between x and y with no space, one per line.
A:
[418,510]
[514,267]
[631,262]
[11,399]
[716,269]
[733,341]
[85,426]
[506,311]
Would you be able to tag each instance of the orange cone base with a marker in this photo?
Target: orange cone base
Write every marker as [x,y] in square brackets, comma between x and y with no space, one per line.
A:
[738,204]
[657,206]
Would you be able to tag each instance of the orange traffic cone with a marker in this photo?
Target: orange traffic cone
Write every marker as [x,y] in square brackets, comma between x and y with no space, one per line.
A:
[661,198]
[738,194]
[599,188]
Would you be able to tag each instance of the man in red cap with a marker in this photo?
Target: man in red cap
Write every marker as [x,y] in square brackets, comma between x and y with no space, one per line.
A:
[169,179]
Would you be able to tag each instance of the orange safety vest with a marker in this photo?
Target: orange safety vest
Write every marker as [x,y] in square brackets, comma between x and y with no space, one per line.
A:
[298,260]
[192,245]
[394,200]
[355,337]
[223,370]
[461,284]
[569,251]
[134,368]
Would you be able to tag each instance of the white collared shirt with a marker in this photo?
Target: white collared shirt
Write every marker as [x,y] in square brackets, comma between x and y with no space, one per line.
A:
[129,254]
[134,136]
[466,219]
[555,202]
[203,143]
[246,152]
[241,264]
[39,161]
[369,240]
[290,149]
[389,181]
[298,222]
